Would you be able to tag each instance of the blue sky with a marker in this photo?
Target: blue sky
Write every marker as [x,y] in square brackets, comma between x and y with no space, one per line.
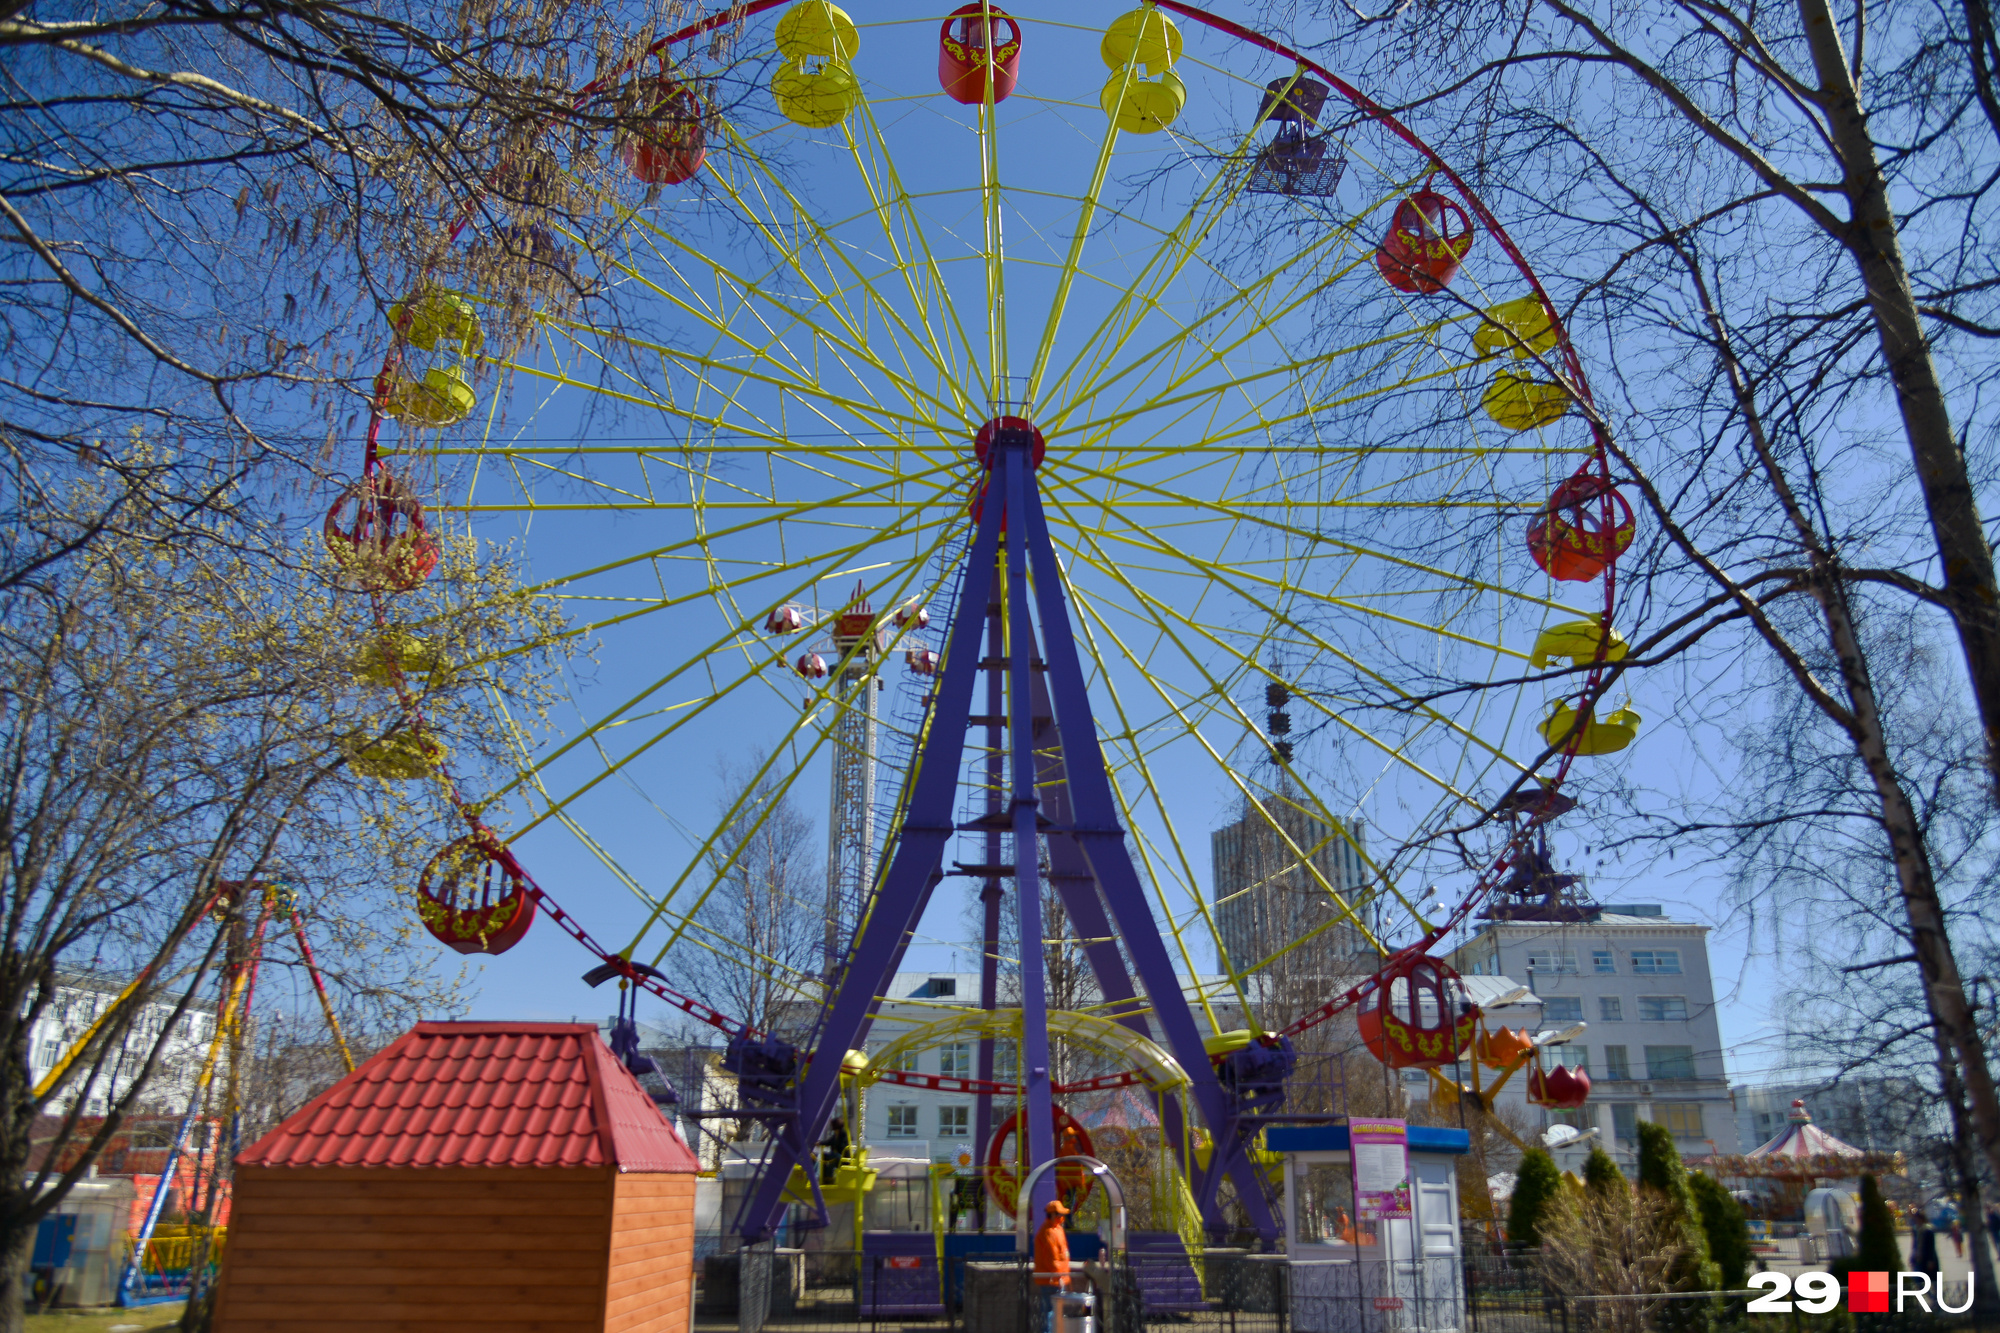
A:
[649,817]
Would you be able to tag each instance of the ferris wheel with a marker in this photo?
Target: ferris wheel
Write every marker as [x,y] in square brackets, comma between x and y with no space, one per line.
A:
[1038,430]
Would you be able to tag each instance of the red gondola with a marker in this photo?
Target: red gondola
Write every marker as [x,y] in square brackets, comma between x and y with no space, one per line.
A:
[970,45]
[670,145]
[1561,1088]
[376,531]
[812,666]
[473,898]
[1428,237]
[1571,538]
[1418,1016]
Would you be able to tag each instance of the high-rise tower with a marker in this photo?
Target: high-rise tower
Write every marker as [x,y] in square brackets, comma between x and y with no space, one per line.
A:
[858,641]
[1271,870]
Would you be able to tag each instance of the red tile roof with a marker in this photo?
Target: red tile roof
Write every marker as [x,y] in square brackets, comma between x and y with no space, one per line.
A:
[480,1095]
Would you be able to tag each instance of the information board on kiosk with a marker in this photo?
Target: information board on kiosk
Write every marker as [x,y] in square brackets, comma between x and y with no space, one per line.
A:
[1381,1154]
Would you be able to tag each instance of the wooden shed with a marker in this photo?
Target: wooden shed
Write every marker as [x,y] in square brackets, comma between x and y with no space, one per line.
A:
[499,1176]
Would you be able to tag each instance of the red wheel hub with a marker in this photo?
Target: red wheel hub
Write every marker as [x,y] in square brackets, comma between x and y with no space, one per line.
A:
[982,443]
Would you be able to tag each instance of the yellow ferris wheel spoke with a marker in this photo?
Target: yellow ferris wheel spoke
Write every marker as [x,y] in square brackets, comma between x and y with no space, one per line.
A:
[1304,284]
[1073,260]
[1164,617]
[843,338]
[1166,264]
[995,255]
[1276,527]
[892,200]
[704,658]
[1176,249]
[1090,623]
[696,863]
[830,252]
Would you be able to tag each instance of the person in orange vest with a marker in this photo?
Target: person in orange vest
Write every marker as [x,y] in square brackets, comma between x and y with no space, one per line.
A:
[1051,1261]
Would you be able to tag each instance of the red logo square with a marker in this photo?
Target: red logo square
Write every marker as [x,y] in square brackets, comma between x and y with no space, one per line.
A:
[1868,1293]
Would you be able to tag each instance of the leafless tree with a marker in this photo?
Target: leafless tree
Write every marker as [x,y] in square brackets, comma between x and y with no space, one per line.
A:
[755,946]
[208,210]
[179,731]
[1705,194]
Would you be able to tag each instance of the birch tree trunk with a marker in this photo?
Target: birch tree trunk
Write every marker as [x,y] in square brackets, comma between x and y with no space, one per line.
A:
[1965,558]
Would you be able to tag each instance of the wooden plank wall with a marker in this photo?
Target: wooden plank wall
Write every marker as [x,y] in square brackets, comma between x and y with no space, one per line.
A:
[414,1250]
[651,1287]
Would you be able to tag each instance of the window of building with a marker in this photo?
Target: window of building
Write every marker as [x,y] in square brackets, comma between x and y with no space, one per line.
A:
[1617,1064]
[954,1122]
[1663,1009]
[906,1062]
[1603,961]
[902,1122]
[1610,1009]
[942,988]
[1006,1062]
[1656,962]
[1562,1008]
[1681,1119]
[1577,1119]
[1624,1121]
[955,1060]
[1569,1055]
[1552,962]
[1670,1062]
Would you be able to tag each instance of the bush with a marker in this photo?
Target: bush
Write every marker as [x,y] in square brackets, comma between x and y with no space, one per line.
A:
[1601,1174]
[1537,1186]
[1663,1177]
[1726,1229]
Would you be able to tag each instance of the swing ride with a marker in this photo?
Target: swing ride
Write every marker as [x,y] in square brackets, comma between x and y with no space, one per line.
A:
[1130,401]
[163,1267]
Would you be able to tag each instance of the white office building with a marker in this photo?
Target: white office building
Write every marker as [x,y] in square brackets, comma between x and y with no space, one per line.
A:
[79,1002]
[1876,1114]
[897,1114]
[1640,983]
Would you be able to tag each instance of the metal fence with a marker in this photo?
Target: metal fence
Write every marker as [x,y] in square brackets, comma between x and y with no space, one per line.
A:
[798,1291]
[820,1291]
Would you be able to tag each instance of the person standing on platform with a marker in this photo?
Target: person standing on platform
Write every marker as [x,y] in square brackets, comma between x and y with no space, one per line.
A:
[1051,1261]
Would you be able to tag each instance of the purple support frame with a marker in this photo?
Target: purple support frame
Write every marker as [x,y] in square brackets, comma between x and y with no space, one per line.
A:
[989,892]
[1088,857]
[1069,871]
[914,871]
[1037,1104]
[1102,837]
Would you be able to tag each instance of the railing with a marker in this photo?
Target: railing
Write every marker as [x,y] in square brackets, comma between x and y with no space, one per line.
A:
[1234,1291]
[176,1249]
[167,1269]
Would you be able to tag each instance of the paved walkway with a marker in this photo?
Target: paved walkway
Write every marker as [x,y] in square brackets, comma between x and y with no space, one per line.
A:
[1956,1267]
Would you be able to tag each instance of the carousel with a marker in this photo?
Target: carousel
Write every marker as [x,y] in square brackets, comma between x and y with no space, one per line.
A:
[1782,1180]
